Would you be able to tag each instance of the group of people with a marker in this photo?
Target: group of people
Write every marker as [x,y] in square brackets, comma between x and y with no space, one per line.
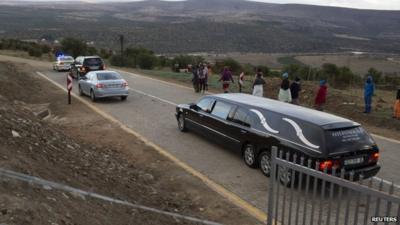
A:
[200,78]
[288,92]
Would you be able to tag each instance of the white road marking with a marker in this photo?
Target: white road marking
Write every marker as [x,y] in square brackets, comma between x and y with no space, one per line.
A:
[386,182]
[155,97]
[386,139]
[157,80]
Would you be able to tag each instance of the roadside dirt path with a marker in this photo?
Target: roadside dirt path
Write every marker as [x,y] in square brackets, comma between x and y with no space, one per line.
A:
[77,147]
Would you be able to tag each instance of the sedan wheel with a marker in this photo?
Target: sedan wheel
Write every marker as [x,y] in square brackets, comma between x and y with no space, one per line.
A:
[123,98]
[265,163]
[181,123]
[92,96]
[249,156]
[80,91]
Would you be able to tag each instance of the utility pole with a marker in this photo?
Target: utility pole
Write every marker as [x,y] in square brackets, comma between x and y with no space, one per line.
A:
[121,39]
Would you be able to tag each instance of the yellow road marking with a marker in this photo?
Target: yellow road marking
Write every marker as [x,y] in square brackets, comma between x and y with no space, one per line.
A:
[253,211]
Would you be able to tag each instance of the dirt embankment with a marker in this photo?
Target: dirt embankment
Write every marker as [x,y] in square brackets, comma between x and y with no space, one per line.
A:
[76,147]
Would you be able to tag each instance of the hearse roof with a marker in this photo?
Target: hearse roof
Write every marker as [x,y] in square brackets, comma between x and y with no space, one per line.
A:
[310,115]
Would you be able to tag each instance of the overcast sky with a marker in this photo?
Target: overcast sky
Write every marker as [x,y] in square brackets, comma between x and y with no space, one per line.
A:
[360,4]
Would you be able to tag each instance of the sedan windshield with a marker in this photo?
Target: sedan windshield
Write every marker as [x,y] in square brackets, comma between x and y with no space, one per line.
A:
[108,76]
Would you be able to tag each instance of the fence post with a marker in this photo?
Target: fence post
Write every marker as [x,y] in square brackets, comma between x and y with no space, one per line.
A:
[274,153]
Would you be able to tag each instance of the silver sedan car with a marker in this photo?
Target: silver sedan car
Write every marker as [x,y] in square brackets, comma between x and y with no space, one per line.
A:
[101,84]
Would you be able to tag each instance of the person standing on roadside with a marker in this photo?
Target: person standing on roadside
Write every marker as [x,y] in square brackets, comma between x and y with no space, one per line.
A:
[369,90]
[258,84]
[241,81]
[195,79]
[202,78]
[396,112]
[226,79]
[284,92]
[295,89]
[320,99]
[209,73]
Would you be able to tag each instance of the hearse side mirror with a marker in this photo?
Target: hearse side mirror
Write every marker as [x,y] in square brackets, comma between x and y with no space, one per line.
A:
[193,106]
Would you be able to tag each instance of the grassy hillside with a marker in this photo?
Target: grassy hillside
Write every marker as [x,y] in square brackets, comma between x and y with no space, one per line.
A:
[207,26]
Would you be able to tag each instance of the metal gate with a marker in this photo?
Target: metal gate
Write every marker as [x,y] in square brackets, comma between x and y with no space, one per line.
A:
[302,195]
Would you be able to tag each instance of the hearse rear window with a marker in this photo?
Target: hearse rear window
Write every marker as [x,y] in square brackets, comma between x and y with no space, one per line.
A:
[221,110]
[347,139]
[242,117]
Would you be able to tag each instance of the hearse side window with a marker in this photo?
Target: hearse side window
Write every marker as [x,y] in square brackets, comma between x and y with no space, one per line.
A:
[241,117]
[221,110]
[205,104]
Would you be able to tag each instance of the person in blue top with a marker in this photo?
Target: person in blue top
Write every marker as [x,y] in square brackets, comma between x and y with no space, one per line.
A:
[368,93]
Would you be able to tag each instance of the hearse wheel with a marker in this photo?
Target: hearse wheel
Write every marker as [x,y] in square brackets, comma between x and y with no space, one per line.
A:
[285,176]
[181,123]
[265,163]
[249,156]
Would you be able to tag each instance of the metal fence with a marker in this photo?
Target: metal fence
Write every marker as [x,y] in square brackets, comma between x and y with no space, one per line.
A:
[300,194]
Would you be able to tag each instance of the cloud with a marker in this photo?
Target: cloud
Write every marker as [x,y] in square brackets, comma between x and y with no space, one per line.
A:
[360,4]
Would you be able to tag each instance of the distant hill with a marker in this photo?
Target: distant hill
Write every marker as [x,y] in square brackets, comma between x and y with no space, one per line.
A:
[207,25]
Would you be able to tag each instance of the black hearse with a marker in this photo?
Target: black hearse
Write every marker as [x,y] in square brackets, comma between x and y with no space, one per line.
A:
[253,125]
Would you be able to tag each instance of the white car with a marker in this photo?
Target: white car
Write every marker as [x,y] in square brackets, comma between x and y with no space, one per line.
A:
[63,63]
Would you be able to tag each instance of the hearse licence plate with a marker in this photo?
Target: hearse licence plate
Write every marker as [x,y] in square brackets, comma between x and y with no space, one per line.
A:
[354,161]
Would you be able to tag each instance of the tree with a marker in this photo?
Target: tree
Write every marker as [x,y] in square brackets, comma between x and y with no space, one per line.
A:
[92,50]
[146,61]
[182,61]
[74,47]
[265,70]
[36,52]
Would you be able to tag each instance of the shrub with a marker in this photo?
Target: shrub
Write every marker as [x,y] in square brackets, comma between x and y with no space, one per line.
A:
[146,61]
[36,52]
[74,47]
[116,60]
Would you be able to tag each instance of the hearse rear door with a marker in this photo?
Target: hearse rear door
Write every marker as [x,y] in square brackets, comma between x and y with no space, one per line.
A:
[239,129]
[219,126]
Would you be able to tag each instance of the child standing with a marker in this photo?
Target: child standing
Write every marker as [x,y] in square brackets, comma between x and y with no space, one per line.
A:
[241,81]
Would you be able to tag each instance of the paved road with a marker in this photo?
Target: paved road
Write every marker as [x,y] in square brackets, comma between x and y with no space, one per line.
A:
[150,109]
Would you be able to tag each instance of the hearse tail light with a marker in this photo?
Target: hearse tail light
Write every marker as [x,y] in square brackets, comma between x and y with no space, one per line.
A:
[100,86]
[104,67]
[125,84]
[327,164]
